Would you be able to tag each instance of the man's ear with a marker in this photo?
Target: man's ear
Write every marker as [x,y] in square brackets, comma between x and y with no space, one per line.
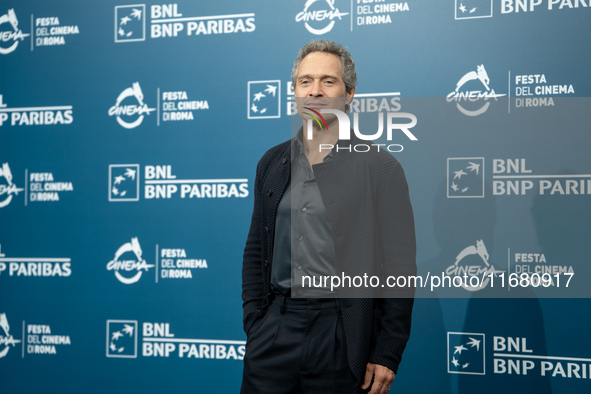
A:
[350,95]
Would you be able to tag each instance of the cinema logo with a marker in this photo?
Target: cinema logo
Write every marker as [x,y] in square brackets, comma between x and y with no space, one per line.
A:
[34,266]
[10,33]
[345,129]
[128,261]
[472,94]
[468,271]
[319,16]
[6,339]
[36,116]
[7,188]
[130,115]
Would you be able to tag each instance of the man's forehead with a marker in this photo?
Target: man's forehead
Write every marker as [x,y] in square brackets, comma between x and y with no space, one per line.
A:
[319,75]
[321,56]
[315,64]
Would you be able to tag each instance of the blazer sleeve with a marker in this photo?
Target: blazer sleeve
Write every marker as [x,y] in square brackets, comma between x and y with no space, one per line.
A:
[398,255]
[252,276]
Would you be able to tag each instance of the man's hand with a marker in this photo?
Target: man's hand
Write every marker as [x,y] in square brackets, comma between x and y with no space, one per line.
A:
[382,378]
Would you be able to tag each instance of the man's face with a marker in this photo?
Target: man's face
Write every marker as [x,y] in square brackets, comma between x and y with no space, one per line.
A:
[319,81]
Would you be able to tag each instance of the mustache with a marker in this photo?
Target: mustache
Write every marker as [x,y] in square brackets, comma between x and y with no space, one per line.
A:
[316,102]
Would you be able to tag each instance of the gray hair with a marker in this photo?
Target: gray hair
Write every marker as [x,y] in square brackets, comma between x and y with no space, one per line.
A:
[347,64]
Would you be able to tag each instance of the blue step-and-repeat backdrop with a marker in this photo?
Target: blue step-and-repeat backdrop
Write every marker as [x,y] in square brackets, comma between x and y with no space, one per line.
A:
[129,138]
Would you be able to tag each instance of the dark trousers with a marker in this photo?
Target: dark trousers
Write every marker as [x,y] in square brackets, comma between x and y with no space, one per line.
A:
[298,347]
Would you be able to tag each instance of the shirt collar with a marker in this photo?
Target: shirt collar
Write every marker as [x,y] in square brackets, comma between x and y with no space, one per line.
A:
[297,146]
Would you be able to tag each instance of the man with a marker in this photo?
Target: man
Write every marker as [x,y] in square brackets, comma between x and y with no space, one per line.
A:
[325,212]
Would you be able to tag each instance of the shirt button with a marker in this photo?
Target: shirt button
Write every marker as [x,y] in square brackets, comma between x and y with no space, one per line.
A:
[301,238]
[304,209]
[299,267]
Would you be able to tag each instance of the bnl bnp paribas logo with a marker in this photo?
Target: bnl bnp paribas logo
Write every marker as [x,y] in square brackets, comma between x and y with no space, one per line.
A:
[473,93]
[6,340]
[10,34]
[511,355]
[128,264]
[130,23]
[124,184]
[319,16]
[264,99]
[158,340]
[465,177]
[473,9]
[465,353]
[160,183]
[129,108]
[167,20]
[122,338]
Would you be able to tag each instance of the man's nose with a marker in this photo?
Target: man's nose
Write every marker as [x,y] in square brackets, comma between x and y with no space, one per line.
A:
[316,90]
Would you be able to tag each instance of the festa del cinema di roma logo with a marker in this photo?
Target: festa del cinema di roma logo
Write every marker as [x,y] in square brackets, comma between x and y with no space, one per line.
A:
[319,15]
[137,264]
[468,92]
[7,35]
[130,115]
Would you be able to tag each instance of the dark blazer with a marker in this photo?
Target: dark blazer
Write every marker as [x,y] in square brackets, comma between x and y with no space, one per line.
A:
[370,214]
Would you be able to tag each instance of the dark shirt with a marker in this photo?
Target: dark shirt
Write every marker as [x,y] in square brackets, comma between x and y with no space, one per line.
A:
[303,244]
